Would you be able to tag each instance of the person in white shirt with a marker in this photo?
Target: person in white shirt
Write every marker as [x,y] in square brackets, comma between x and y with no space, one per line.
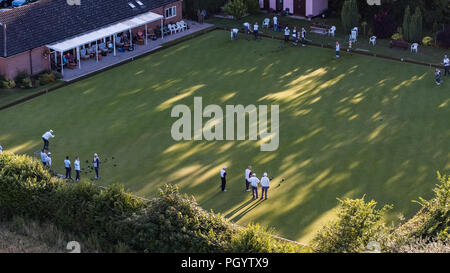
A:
[248,174]
[446,64]
[1,149]
[265,181]
[338,50]
[223,178]
[96,164]
[68,168]
[294,36]
[234,33]
[255,30]
[286,34]
[44,157]
[275,23]
[437,73]
[303,34]
[46,137]
[48,160]
[76,163]
[254,181]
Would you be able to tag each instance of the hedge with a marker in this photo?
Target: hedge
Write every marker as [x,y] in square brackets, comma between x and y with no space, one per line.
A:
[170,222]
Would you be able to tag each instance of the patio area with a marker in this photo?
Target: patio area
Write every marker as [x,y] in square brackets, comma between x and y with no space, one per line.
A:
[92,65]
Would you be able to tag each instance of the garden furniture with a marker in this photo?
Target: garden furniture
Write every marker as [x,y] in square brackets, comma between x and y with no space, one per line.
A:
[332,31]
[373,40]
[399,44]
[266,23]
[414,47]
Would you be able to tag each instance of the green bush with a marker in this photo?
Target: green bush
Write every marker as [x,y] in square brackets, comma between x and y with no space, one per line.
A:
[8,84]
[412,25]
[47,78]
[350,15]
[175,223]
[26,83]
[357,224]
[236,8]
[117,220]
[257,239]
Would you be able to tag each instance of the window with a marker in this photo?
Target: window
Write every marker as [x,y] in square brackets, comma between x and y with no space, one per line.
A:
[171,12]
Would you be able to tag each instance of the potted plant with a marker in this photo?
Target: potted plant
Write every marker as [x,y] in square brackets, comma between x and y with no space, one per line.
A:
[46,53]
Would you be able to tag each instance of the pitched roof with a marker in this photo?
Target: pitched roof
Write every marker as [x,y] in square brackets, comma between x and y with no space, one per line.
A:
[48,21]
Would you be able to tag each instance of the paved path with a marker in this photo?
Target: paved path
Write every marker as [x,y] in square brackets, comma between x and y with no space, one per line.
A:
[91,66]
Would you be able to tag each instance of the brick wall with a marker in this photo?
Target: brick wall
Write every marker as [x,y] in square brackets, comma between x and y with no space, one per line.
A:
[166,21]
[10,66]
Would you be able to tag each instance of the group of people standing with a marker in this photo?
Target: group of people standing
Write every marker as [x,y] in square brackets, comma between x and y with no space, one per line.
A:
[296,36]
[47,160]
[251,180]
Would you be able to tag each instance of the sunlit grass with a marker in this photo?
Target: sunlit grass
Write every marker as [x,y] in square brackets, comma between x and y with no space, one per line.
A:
[348,127]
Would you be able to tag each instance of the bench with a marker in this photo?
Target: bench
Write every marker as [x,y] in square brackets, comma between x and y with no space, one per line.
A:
[399,44]
[320,29]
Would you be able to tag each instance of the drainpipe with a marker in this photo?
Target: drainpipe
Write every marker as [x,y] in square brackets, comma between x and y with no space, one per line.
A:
[5,52]
[31,63]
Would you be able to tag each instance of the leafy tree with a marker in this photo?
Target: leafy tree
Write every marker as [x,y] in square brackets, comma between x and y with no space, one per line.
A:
[252,6]
[350,15]
[416,26]
[190,7]
[406,23]
[358,223]
[383,25]
[236,8]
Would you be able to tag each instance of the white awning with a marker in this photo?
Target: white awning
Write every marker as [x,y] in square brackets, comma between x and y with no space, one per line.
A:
[107,31]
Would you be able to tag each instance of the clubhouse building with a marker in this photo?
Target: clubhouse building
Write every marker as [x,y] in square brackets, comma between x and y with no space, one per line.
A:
[302,8]
[61,34]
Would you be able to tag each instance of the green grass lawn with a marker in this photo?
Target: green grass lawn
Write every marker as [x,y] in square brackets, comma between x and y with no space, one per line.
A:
[427,54]
[8,96]
[332,141]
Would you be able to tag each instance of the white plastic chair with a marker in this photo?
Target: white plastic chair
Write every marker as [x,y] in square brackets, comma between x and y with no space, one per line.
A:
[172,28]
[266,23]
[184,24]
[181,26]
[353,36]
[177,27]
[373,40]
[357,31]
[415,47]
[332,31]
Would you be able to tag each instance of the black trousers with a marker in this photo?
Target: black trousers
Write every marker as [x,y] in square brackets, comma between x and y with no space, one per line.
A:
[255,191]
[447,70]
[69,173]
[247,184]
[96,172]
[46,143]
[255,32]
[286,38]
[264,190]
[224,182]
[78,175]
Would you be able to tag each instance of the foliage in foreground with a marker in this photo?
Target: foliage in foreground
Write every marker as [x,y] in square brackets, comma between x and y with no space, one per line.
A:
[118,221]
[358,223]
